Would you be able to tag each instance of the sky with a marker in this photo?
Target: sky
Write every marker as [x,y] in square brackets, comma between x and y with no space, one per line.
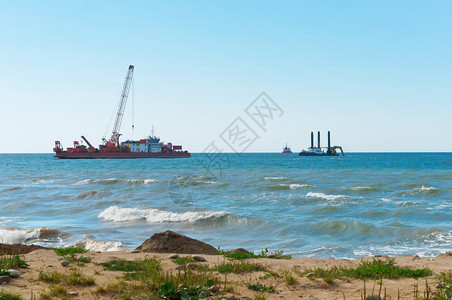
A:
[377,74]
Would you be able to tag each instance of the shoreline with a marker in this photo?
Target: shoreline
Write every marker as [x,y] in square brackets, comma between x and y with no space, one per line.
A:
[286,276]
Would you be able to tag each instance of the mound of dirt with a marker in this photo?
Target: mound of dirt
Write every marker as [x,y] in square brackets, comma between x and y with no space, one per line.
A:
[13,249]
[172,242]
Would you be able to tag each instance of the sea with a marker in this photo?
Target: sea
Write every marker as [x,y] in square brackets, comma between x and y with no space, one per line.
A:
[360,204]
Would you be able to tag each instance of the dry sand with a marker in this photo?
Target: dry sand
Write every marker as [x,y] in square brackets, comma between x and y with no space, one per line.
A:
[303,288]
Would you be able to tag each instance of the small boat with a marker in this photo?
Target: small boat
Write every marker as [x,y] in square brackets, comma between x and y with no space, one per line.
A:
[286,150]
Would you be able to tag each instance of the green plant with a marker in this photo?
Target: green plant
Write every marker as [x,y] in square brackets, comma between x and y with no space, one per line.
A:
[375,269]
[169,291]
[240,256]
[443,288]
[261,288]
[260,296]
[73,278]
[84,259]
[77,278]
[228,289]
[8,296]
[53,277]
[69,250]
[269,274]
[54,291]
[132,266]
[184,260]
[289,278]
[11,261]
[238,267]
[146,279]
[328,280]
[277,254]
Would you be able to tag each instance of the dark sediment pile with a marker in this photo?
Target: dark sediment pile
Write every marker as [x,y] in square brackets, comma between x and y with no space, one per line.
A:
[172,242]
[13,249]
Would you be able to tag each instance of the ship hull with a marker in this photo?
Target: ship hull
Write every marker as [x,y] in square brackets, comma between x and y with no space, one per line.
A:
[120,155]
[317,154]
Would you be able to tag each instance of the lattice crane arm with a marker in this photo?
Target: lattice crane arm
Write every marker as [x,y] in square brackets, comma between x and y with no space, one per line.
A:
[122,105]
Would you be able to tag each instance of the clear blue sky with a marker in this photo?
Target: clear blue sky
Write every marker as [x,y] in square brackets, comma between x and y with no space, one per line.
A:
[378,74]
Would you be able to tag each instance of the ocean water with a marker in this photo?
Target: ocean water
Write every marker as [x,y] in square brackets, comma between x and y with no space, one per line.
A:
[342,207]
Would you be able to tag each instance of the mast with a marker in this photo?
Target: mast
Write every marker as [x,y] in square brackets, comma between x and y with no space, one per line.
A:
[122,105]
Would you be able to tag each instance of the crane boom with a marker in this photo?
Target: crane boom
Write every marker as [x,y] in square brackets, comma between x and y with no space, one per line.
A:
[122,105]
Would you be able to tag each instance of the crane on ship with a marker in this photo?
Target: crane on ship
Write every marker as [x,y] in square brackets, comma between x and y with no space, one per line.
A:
[113,143]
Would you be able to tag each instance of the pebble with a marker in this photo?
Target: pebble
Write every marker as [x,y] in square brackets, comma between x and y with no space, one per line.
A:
[192,265]
[214,288]
[181,267]
[173,256]
[13,273]
[373,297]
[310,274]
[50,266]
[5,279]
[73,293]
[113,266]
[65,263]
[199,258]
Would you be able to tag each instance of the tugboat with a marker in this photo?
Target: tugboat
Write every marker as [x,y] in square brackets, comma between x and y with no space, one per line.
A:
[321,151]
[286,150]
[149,147]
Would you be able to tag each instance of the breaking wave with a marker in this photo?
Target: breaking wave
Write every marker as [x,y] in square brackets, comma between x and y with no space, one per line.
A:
[17,236]
[116,180]
[152,215]
[292,186]
[324,196]
[102,246]
[277,178]
[194,180]
[423,190]
[363,189]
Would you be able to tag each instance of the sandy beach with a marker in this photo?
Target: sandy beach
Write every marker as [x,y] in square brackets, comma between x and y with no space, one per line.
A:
[286,276]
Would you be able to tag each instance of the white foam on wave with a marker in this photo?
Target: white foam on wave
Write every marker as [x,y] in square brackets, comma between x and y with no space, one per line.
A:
[117,214]
[427,245]
[102,246]
[115,180]
[294,186]
[274,178]
[17,236]
[422,190]
[361,188]
[324,196]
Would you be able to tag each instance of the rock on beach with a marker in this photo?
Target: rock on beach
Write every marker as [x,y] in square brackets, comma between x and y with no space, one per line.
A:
[172,242]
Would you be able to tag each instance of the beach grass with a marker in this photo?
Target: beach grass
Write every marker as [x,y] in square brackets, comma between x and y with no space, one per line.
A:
[277,254]
[238,267]
[11,262]
[261,288]
[8,296]
[145,277]
[54,291]
[366,269]
[74,278]
[69,250]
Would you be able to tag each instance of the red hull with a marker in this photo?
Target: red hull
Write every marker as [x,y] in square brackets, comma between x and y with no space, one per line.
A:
[121,155]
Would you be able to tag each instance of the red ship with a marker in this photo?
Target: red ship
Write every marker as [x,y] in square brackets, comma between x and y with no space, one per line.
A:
[150,147]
